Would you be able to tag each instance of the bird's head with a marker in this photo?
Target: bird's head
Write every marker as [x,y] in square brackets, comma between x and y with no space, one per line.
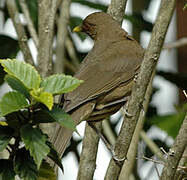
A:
[97,25]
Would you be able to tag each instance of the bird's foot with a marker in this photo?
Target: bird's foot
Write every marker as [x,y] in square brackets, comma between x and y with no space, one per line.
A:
[107,144]
[125,111]
[116,158]
[135,77]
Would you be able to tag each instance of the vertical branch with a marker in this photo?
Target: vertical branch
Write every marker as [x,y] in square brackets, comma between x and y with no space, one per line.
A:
[30,24]
[89,153]
[175,153]
[138,92]
[46,14]
[128,165]
[22,37]
[116,9]
[62,32]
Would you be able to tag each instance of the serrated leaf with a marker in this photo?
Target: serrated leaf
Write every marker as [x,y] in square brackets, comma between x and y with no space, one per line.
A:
[35,142]
[61,117]
[26,73]
[17,85]
[46,172]
[60,83]
[53,155]
[24,165]
[6,170]
[5,136]
[43,97]
[11,102]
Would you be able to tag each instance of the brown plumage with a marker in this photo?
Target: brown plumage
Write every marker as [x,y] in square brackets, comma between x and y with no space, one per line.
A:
[108,72]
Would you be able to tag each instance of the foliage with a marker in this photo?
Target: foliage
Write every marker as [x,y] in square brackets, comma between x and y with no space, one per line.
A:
[29,104]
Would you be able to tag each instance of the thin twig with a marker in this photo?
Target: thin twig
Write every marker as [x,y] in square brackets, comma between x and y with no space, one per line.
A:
[71,51]
[179,43]
[22,37]
[30,24]
[154,148]
[157,170]
[150,159]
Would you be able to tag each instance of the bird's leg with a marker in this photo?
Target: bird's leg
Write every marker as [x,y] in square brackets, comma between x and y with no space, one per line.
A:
[107,144]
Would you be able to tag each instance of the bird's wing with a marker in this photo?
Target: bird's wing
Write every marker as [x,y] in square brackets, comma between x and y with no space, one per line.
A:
[104,70]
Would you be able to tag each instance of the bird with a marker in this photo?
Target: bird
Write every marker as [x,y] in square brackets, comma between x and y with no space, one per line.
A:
[108,73]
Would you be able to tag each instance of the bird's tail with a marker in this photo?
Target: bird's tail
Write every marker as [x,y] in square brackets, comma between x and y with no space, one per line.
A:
[61,137]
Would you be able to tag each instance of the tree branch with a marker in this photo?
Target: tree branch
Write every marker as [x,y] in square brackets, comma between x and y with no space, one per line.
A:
[46,13]
[89,153]
[175,153]
[22,37]
[116,9]
[71,51]
[62,32]
[30,25]
[128,165]
[179,43]
[138,92]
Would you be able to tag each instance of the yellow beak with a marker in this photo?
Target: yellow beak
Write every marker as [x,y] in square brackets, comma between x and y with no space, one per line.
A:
[77,29]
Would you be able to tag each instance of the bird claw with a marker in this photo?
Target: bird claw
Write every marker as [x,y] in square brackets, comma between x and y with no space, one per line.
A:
[135,77]
[114,156]
[125,111]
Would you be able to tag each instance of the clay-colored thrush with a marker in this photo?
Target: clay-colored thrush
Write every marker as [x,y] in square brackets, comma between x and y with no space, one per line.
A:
[108,72]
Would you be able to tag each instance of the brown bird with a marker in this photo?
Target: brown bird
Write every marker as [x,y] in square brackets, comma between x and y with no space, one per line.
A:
[108,72]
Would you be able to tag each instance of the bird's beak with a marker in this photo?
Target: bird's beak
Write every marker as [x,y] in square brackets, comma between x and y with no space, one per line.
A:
[77,29]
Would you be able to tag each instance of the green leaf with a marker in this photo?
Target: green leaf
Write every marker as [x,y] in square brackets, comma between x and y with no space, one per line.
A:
[5,136]
[61,117]
[26,73]
[60,83]
[53,154]
[55,115]
[43,97]
[41,116]
[35,142]
[6,170]
[17,85]
[169,123]
[11,102]
[24,165]
[46,172]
